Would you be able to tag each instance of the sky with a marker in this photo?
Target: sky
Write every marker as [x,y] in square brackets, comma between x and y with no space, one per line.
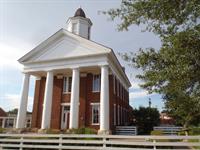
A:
[26,23]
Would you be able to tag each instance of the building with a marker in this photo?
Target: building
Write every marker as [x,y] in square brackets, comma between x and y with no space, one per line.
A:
[2,115]
[8,119]
[166,120]
[79,83]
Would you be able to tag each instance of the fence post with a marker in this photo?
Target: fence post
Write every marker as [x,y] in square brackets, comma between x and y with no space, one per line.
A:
[104,142]
[21,142]
[154,144]
[60,142]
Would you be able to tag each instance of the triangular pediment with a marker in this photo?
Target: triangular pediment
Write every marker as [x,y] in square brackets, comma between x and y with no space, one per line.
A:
[63,45]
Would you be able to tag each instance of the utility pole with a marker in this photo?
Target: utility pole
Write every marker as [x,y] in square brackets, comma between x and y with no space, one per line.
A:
[149,102]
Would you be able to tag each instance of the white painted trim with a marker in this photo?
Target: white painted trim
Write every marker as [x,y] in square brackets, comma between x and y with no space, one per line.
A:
[83,75]
[65,104]
[67,83]
[95,104]
[96,91]
[53,64]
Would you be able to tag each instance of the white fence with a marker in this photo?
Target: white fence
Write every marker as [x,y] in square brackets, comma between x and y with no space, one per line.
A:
[169,130]
[95,142]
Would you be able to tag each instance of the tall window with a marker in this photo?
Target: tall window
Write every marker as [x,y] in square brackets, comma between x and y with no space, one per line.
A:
[95,113]
[114,111]
[118,115]
[114,84]
[117,88]
[67,84]
[96,83]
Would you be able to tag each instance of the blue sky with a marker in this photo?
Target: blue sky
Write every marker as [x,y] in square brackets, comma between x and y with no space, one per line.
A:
[26,23]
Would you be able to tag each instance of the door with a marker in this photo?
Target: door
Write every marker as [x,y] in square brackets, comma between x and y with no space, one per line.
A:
[65,117]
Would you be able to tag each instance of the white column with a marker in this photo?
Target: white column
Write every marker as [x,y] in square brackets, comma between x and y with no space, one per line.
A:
[104,100]
[21,116]
[74,102]
[46,114]
[3,122]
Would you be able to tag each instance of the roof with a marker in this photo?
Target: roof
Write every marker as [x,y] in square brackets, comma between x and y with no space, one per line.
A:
[70,47]
[2,113]
[80,13]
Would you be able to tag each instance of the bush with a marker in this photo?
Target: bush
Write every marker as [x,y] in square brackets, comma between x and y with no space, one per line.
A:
[194,131]
[156,132]
[81,131]
[2,130]
[52,131]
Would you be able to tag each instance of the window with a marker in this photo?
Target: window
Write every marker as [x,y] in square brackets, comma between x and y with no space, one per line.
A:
[118,115]
[122,93]
[121,120]
[67,84]
[117,88]
[114,120]
[74,28]
[113,84]
[95,113]
[96,83]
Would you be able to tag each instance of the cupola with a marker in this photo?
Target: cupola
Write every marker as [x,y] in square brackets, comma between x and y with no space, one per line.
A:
[79,24]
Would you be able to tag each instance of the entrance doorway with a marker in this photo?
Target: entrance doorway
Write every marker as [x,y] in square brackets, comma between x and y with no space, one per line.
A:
[65,117]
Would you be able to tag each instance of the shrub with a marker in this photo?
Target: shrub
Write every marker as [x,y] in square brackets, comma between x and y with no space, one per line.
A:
[2,130]
[194,131]
[81,131]
[52,131]
[156,132]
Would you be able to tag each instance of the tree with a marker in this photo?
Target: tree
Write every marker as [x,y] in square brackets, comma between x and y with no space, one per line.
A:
[145,119]
[174,69]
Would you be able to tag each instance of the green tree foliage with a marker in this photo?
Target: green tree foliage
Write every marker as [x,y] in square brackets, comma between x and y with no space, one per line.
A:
[174,69]
[145,119]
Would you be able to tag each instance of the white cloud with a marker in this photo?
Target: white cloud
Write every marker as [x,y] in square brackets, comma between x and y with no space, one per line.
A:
[11,101]
[139,94]
[136,84]
[9,56]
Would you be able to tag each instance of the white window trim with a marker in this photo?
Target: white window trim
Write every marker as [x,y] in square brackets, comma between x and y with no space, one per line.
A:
[67,88]
[95,104]
[93,83]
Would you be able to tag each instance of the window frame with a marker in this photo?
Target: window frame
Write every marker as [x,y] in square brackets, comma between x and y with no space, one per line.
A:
[66,84]
[93,86]
[98,107]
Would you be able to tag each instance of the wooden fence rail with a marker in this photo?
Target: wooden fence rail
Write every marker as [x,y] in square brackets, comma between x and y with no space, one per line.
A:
[96,142]
[169,130]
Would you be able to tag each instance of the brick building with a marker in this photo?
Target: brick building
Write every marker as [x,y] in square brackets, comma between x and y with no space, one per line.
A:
[79,83]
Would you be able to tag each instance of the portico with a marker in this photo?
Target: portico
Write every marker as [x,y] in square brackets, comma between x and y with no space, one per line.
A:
[74,103]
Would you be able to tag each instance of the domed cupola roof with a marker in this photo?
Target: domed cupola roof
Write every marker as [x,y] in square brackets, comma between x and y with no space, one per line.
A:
[80,13]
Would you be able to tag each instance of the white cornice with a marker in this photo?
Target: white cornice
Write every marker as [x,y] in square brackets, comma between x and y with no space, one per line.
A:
[105,55]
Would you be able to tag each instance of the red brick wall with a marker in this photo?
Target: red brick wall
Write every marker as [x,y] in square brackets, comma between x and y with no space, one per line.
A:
[56,101]
[35,104]
[82,100]
[92,97]
[87,96]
